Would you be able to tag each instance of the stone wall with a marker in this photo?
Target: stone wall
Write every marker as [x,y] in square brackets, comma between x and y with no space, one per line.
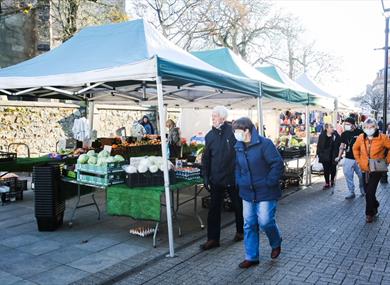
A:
[41,124]
[38,125]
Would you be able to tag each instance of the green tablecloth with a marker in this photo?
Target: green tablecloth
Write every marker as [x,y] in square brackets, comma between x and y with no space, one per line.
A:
[25,164]
[141,203]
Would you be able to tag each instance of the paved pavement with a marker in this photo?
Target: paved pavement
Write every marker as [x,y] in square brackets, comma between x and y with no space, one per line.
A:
[92,251]
[326,241]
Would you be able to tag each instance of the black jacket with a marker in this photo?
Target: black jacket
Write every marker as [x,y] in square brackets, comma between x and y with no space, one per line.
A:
[328,147]
[219,156]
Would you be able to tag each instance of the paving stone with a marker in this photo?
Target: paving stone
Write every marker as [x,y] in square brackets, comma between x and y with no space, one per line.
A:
[60,275]
[94,263]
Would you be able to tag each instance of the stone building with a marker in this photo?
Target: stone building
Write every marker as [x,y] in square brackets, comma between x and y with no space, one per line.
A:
[25,33]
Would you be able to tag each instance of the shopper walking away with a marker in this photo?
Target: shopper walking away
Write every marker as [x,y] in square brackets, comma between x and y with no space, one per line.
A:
[369,151]
[259,167]
[350,167]
[218,163]
[327,150]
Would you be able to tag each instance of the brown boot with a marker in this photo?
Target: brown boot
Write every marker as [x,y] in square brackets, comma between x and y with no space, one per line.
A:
[238,237]
[276,252]
[209,245]
[369,219]
[247,263]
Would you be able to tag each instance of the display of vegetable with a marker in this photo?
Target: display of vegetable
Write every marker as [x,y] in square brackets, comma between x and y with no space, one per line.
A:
[92,160]
[83,159]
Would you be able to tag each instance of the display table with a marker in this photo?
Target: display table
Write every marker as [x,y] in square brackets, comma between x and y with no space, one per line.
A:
[139,203]
[26,164]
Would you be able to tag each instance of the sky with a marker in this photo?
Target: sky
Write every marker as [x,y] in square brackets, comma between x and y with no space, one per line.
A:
[348,29]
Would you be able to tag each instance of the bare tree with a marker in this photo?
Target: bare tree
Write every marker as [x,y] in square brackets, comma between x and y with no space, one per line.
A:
[71,15]
[372,99]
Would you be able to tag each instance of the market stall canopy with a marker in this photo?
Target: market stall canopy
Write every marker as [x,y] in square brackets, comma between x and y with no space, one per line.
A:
[320,100]
[125,59]
[225,59]
[342,104]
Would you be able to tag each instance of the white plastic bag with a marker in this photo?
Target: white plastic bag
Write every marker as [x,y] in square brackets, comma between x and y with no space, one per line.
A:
[317,166]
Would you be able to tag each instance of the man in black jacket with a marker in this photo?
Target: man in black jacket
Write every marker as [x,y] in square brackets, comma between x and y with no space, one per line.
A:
[218,172]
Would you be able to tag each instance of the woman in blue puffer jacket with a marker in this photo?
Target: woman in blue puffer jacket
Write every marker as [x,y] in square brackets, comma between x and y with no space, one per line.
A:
[259,167]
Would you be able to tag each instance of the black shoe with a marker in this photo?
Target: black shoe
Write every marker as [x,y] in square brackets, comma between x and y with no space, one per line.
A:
[247,263]
[332,184]
[238,237]
[209,245]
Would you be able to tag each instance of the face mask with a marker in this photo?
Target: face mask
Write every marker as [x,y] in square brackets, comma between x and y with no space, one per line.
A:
[369,132]
[239,136]
[347,127]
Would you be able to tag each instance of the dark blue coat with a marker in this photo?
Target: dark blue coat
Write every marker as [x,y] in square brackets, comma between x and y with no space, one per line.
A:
[259,167]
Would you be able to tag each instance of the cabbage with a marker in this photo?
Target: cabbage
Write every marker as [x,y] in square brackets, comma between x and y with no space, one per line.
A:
[83,158]
[170,166]
[92,160]
[101,161]
[129,169]
[153,168]
[142,168]
[104,153]
[110,159]
[118,158]
[91,153]
[144,162]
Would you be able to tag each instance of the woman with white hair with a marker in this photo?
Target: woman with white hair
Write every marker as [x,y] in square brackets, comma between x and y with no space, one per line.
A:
[369,151]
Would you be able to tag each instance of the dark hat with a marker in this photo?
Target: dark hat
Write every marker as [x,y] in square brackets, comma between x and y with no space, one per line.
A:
[350,120]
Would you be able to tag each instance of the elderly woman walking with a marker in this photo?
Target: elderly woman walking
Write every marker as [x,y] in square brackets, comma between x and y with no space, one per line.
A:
[259,167]
[369,151]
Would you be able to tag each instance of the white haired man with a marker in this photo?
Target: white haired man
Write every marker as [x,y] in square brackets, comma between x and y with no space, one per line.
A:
[218,163]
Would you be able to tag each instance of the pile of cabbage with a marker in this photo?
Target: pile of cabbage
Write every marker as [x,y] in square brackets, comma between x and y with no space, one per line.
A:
[151,164]
[99,159]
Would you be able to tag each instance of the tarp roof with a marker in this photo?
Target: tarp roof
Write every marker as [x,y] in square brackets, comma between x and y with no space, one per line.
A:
[307,82]
[125,58]
[225,59]
[278,75]
[289,94]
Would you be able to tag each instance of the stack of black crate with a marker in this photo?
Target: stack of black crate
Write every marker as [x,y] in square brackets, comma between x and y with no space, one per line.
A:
[48,202]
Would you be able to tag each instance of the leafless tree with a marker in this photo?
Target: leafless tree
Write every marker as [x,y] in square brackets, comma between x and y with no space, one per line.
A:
[372,99]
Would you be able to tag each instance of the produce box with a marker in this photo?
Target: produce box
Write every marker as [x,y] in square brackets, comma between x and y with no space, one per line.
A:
[188,173]
[148,179]
[101,169]
[105,180]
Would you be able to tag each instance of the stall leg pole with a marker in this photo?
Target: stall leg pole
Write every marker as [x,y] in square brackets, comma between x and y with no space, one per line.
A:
[308,162]
[260,118]
[335,113]
[165,165]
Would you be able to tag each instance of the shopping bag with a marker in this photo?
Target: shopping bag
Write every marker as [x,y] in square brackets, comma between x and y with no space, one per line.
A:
[317,166]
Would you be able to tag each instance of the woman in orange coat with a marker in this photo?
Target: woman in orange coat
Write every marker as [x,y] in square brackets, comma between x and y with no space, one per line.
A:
[371,145]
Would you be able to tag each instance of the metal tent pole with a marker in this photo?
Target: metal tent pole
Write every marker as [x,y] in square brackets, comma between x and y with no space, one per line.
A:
[161,111]
[308,164]
[260,115]
[335,112]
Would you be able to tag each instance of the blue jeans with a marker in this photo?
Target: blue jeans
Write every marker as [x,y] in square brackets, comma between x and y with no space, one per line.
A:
[350,167]
[259,216]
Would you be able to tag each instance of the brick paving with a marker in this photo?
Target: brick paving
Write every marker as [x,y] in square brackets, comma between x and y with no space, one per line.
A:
[326,241]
